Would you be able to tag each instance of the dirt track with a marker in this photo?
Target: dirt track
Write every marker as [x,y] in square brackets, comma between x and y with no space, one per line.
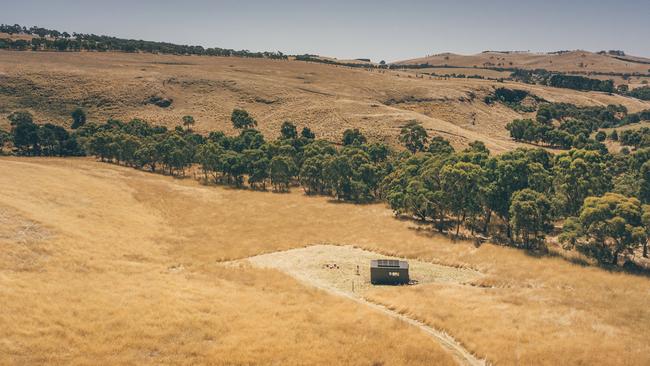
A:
[334,269]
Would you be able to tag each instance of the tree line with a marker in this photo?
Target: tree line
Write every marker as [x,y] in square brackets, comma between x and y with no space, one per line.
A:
[563,125]
[602,198]
[53,40]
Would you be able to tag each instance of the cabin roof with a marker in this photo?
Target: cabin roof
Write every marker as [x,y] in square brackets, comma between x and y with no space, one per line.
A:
[389,263]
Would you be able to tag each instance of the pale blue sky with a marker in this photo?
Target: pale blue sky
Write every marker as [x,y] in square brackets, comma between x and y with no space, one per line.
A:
[379,29]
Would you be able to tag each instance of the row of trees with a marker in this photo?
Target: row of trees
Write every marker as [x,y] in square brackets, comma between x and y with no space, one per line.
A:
[517,195]
[352,172]
[580,83]
[53,40]
[565,126]
[46,139]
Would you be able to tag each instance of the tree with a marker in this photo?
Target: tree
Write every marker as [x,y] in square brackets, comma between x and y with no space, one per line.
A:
[613,136]
[242,120]
[311,174]
[530,216]
[307,133]
[4,138]
[462,182]
[413,136]
[645,219]
[600,136]
[440,146]
[522,129]
[282,170]
[579,174]
[148,154]
[607,227]
[644,183]
[257,167]
[337,174]
[20,117]
[353,137]
[25,136]
[288,130]
[188,122]
[209,156]
[78,118]
[233,167]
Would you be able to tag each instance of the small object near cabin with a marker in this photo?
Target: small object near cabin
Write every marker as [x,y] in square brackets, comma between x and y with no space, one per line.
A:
[389,272]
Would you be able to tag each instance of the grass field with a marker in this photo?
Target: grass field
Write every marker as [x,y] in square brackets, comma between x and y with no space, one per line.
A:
[326,98]
[573,61]
[100,263]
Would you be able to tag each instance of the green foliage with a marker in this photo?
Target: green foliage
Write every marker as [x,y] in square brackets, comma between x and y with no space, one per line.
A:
[78,118]
[353,137]
[637,138]
[574,125]
[580,83]
[440,146]
[188,122]
[4,138]
[25,134]
[644,183]
[242,120]
[257,168]
[53,40]
[288,130]
[579,174]
[523,188]
[462,182]
[530,217]
[413,136]
[512,98]
[607,227]
[282,170]
[642,93]
[307,133]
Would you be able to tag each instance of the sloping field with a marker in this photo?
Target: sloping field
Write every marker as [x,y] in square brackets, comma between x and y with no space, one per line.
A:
[573,61]
[326,98]
[104,264]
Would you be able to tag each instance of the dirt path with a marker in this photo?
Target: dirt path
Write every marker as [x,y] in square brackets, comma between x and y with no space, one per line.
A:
[311,265]
[463,356]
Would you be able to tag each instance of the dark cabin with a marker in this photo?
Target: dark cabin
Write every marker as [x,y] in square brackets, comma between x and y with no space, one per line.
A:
[389,272]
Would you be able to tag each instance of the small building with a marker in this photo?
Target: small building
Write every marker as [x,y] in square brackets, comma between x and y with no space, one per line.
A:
[389,272]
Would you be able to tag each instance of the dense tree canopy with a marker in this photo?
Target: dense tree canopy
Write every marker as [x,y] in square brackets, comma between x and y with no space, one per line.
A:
[514,196]
[607,227]
[413,136]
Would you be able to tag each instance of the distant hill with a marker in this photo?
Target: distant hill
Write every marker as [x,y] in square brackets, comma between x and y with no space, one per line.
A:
[578,61]
[163,88]
[20,38]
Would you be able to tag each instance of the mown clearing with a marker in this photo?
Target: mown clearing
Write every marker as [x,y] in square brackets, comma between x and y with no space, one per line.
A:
[337,266]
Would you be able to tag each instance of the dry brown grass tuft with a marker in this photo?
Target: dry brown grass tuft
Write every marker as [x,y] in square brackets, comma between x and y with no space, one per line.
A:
[127,275]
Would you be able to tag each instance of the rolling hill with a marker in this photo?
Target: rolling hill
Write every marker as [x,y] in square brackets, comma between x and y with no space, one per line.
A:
[327,98]
[577,61]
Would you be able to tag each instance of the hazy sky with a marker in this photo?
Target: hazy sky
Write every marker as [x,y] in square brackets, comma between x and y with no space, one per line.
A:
[379,29]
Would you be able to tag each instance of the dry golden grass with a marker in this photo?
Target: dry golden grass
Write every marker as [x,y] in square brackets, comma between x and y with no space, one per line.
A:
[89,274]
[120,266]
[327,98]
[574,61]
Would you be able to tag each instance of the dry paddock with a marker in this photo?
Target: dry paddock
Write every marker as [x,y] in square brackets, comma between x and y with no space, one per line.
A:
[100,263]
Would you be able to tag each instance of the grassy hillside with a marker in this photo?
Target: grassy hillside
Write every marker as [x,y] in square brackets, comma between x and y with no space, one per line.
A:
[569,62]
[327,98]
[101,262]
